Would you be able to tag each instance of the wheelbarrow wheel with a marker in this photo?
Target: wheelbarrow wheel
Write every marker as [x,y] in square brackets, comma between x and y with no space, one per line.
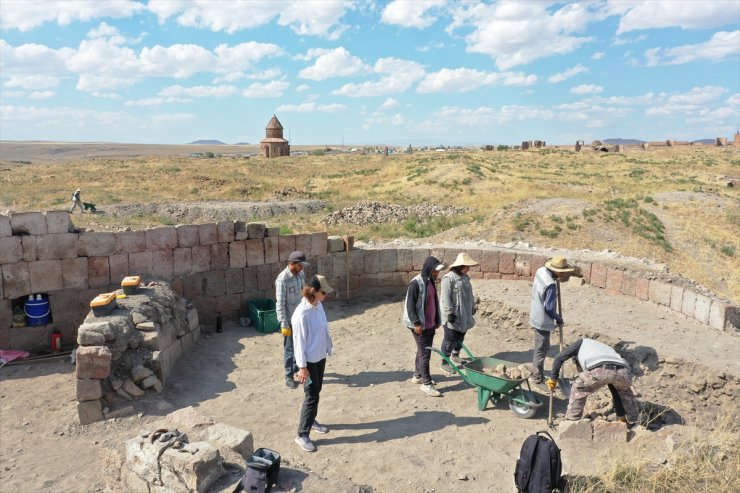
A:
[522,411]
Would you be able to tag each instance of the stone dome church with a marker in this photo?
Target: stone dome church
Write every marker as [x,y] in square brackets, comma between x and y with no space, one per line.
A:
[274,145]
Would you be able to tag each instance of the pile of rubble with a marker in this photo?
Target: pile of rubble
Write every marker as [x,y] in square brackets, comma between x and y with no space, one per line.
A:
[520,372]
[367,212]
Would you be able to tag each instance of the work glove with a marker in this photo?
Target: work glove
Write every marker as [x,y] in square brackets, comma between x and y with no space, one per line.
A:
[560,322]
[551,383]
[286,331]
[451,318]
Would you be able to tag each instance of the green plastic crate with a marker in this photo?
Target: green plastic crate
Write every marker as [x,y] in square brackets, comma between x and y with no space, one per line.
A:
[263,315]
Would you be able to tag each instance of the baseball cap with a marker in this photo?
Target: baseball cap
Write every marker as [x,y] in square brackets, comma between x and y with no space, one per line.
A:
[298,257]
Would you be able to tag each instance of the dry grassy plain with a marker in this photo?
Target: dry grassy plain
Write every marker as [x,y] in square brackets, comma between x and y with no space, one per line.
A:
[669,205]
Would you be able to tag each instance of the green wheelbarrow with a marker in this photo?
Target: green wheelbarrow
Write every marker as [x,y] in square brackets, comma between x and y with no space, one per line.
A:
[523,403]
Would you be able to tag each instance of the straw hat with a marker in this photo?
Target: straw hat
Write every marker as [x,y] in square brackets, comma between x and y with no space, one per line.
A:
[559,264]
[463,259]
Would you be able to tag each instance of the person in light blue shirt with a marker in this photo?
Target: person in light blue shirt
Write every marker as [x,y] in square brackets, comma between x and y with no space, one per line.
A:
[312,344]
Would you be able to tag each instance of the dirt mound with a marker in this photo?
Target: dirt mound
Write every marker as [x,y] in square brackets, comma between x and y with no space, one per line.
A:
[195,212]
[367,212]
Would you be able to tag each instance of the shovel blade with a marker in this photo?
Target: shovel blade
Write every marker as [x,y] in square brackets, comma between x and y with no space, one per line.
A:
[565,387]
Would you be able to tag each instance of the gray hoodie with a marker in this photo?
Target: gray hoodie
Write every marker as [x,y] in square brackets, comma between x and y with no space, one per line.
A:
[457,298]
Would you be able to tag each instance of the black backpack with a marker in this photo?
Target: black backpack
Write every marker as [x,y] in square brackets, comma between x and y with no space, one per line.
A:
[538,469]
[262,471]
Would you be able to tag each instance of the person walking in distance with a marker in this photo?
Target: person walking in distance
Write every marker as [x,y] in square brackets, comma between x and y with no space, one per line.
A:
[458,308]
[312,342]
[543,310]
[288,292]
[421,315]
[77,202]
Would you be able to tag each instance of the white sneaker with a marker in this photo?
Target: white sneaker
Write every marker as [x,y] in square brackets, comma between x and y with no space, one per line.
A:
[418,380]
[430,390]
[305,443]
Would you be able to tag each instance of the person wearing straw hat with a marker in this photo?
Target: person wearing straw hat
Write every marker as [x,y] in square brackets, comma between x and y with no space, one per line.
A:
[288,287]
[422,316]
[458,308]
[543,310]
[312,343]
[77,202]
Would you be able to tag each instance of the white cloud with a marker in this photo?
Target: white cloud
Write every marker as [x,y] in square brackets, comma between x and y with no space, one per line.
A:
[389,103]
[311,108]
[734,100]
[399,76]
[626,41]
[106,95]
[335,63]
[567,74]
[30,82]
[273,89]
[304,18]
[411,14]
[178,91]
[688,103]
[302,88]
[586,89]
[27,14]
[157,101]
[269,73]
[645,99]
[517,33]
[465,79]
[12,94]
[379,119]
[429,47]
[32,60]
[41,95]
[172,117]
[721,46]
[64,117]
[598,55]
[686,15]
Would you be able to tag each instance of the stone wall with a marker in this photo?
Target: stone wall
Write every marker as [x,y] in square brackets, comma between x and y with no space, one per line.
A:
[218,267]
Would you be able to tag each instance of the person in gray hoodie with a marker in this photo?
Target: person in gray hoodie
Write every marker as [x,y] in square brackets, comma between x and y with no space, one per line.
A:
[458,308]
[421,315]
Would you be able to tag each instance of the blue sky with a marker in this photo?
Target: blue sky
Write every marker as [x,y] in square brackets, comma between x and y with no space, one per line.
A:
[369,71]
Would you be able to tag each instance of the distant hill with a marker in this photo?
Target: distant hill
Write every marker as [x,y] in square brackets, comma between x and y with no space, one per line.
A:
[242,144]
[704,141]
[209,142]
[623,142]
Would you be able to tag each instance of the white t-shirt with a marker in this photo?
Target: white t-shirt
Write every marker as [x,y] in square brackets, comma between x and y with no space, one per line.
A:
[311,337]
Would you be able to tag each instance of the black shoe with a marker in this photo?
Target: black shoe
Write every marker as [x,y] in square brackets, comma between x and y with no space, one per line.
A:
[290,383]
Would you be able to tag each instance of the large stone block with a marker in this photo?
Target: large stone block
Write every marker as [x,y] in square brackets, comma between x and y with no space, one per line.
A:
[191,472]
[220,256]
[45,276]
[629,285]
[387,260]
[659,292]
[207,234]
[63,306]
[303,243]
[163,238]
[240,231]
[188,235]
[28,223]
[286,245]
[225,231]
[676,298]
[506,262]
[489,260]
[335,244]
[96,244]
[580,430]
[609,431]
[98,272]
[74,273]
[192,286]
[29,248]
[201,258]
[598,275]
[163,264]
[89,389]
[265,279]
[236,439]
[702,307]
[419,255]
[324,265]
[16,282]
[614,279]
[5,229]
[250,280]
[732,318]
[237,255]
[642,288]
[182,262]
[11,249]
[270,244]
[371,261]
[214,282]
[537,262]
[228,304]
[89,412]
[118,268]
[256,231]
[717,314]
[6,321]
[234,281]
[255,252]
[688,303]
[130,241]
[584,270]
[93,362]
[404,260]
[521,265]
[140,263]
[57,246]
[318,244]
[58,222]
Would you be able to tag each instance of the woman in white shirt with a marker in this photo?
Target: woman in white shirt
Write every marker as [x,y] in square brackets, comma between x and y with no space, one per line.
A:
[312,344]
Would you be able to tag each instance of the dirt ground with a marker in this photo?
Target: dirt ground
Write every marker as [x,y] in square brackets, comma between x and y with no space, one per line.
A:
[384,432]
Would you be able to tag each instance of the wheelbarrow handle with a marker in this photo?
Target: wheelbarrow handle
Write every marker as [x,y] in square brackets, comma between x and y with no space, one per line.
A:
[449,362]
[470,354]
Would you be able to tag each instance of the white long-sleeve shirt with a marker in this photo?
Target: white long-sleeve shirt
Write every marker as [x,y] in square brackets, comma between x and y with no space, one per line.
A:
[311,337]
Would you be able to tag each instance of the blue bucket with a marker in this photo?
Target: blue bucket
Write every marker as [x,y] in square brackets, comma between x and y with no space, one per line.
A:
[37,312]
